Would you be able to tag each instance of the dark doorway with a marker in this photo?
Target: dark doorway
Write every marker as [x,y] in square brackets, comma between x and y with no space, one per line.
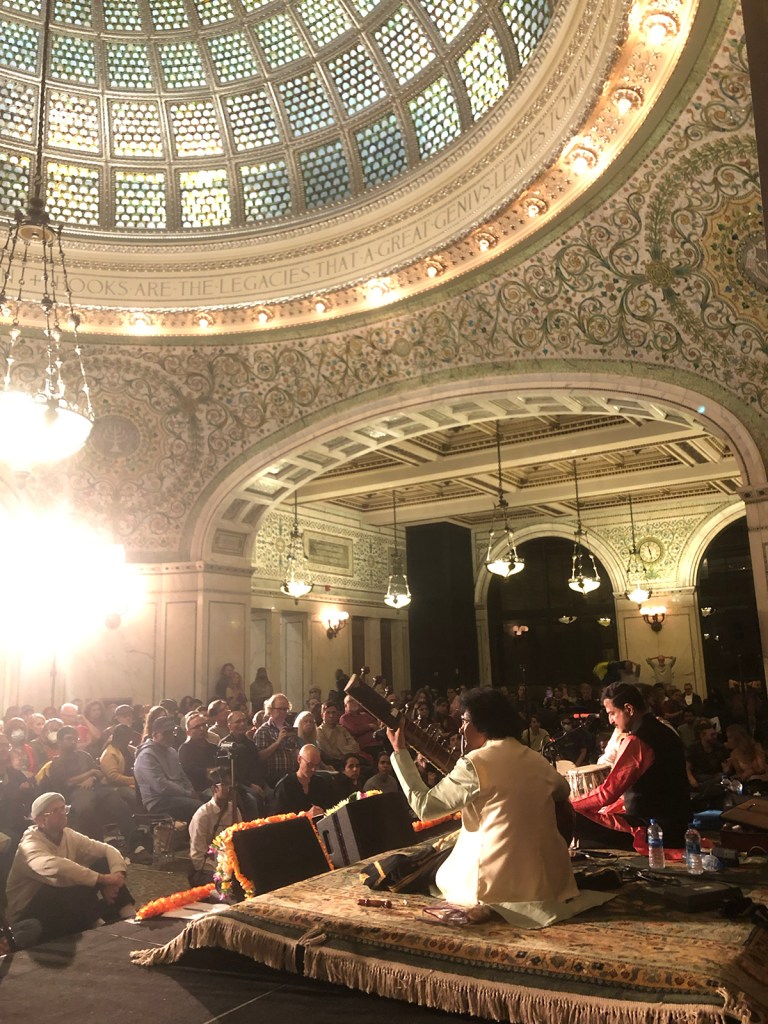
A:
[730,633]
[529,645]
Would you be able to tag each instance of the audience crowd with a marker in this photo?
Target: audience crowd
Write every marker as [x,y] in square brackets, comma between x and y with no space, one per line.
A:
[245,755]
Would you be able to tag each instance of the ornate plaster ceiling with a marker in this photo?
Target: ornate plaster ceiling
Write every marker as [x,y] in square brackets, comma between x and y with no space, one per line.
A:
[655,291]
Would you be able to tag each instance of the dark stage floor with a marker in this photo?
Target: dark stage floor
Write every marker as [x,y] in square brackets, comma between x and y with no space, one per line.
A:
[89,978]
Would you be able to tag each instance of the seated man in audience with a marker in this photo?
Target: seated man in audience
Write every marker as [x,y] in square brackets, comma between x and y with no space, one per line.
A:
[63,879]
[534,736]
[334,740]
[705,762]
[276,741]
[686,730]
[197,756]
[163,786]
[573,744]
[218,713]
[247,768]
[303,790]
[94,802]
[362,725]
[124,716]
[647,780]
[213,817]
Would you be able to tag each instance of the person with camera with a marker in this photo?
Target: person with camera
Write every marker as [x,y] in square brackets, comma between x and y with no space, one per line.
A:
[240,757]
[277,740]
[207,822]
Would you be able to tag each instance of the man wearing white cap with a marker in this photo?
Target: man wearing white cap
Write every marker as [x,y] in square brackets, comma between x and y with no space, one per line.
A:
[63,879]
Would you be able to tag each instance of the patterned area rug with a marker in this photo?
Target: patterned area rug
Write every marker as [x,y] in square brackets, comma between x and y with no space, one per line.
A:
[633,960]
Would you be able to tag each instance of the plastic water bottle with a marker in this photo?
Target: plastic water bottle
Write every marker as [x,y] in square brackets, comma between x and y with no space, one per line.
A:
[693,852]
[655,846]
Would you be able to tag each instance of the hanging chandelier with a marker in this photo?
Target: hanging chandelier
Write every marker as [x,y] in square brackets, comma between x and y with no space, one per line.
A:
[638,589]
[54,420]
[398,592]
[507,562]
[584,575]
[298,579]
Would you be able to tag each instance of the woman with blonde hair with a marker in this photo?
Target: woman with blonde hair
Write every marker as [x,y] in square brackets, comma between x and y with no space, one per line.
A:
[306,728]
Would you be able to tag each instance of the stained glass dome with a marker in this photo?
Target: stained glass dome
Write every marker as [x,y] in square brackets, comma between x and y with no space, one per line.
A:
[210,115]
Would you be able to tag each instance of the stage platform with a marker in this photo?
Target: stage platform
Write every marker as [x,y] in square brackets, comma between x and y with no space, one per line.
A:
[633,960]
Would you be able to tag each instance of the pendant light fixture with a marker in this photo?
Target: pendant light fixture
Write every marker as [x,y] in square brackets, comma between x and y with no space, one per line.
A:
[638,589]
[298,579]
[51,421]
[584,575]
[507,562]
[398,591]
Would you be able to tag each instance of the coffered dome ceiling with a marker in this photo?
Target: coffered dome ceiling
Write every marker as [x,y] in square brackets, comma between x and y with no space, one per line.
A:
[207,115]
[269,163]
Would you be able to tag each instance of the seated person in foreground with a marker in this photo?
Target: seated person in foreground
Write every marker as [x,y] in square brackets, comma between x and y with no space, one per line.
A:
[647,780]
[213,817]
[303,790]
[509,854]
[63,879]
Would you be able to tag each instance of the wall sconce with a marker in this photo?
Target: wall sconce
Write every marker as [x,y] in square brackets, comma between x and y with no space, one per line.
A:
[517,630]
[334,621]
[706,611]
[604,621]
[654,615]
[567,619]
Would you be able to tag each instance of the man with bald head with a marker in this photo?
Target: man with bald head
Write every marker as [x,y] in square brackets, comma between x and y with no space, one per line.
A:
[304,790]
[63,879]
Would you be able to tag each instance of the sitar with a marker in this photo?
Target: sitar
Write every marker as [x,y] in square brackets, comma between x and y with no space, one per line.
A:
[433,750]
[422,742]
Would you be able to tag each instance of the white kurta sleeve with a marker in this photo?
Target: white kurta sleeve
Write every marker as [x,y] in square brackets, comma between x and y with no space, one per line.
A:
[452,793]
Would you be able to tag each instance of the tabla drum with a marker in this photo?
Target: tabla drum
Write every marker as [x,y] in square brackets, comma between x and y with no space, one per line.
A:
[583,780]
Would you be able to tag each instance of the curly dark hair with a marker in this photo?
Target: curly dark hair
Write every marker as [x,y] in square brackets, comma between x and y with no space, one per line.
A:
[491,713]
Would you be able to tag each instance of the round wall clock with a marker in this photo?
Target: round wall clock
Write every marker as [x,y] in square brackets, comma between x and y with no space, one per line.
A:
[650,550]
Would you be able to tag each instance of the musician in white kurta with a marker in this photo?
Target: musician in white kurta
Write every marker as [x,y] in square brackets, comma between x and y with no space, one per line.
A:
[509,854]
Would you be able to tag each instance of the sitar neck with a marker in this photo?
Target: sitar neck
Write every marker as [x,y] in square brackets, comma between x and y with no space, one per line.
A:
[421,741]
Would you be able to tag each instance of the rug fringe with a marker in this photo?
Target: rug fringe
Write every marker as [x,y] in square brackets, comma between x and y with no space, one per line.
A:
[222,932]
[499,1001]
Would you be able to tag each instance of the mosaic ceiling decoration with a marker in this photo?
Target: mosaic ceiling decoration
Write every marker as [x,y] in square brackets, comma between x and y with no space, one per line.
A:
[200,115]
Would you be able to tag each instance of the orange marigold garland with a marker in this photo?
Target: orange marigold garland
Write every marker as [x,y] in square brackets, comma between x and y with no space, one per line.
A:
[179,899]
[227,866]
[419,826]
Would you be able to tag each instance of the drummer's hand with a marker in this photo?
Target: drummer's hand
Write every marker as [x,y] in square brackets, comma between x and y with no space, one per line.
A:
[397,736]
